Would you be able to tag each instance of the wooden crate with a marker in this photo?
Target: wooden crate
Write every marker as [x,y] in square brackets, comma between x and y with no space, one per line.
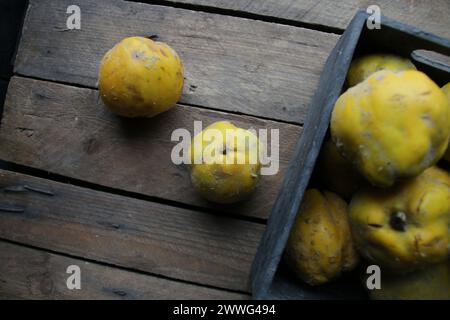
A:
[270,278]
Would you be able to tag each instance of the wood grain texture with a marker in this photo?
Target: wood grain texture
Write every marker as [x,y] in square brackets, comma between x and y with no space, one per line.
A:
[137,234]
[68,131]
[432,16]
[232,64]
[27,273]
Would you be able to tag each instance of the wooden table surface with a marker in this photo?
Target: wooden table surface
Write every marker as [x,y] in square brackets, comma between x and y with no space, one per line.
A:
[81,186]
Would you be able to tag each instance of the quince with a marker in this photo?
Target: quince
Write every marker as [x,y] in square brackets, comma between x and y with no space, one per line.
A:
[140,77]
[361,68]
[336,173]
[392,125]
[406,227]
[320,245]
[446,90]
[225,162]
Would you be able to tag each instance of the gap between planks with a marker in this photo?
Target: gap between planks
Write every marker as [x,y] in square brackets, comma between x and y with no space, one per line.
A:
[242,14]
[72,134]
[332,14]
[44,270]
[146,236]
[187,104]
[232,64]
[38,173]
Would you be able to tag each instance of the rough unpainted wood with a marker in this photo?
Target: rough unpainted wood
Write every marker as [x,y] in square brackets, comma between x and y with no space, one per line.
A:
[68,131]
[27,273]
[147,236]
[232,64]
[432,16]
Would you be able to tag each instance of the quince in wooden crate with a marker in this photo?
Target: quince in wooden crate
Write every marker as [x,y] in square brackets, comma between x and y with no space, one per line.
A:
[392,125]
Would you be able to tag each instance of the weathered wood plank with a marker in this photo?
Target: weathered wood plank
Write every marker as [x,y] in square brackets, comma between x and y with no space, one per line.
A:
[432,16]
[27,273]
[232,64]
[146,236]
[68,131]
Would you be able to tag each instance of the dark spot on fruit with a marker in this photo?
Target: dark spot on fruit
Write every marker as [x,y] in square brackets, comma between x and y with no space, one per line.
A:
[425,93]
[375,225]
[136,55]
[221,175]
[397,221]
[397,97]
[132,90]
[138,99]
[163,52]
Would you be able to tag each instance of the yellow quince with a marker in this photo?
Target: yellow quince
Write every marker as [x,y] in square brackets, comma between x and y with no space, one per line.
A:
[320,245]
[361,68]
[392,125]
[405,227]
[140,77]
[225,162]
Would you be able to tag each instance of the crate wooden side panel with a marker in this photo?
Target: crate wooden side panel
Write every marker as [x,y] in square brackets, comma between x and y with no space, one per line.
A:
[285,209]
[147,236]
[427,15]
[27,273]
[68,131]
[232,64]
